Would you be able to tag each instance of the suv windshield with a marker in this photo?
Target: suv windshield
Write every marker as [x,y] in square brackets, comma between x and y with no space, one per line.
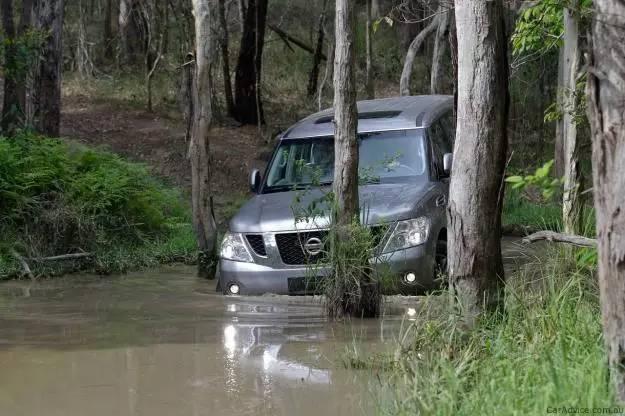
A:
[390,156]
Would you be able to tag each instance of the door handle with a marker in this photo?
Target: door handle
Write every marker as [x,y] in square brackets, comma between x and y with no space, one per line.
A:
[441,201]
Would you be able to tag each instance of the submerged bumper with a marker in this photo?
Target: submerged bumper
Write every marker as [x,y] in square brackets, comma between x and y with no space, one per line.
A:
[258,279]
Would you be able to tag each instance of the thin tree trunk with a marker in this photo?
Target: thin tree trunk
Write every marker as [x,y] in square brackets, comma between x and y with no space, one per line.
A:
[199,150]
[571,200]
[225,57]
[123,24]
[11,104]
[369,85]
[47,85]
[375,8]
[476,192]
[559,139]
[606,112]
[248,105]
[327,74]
[242,12]
[314,72]
[108,30]
[27,22]
[406,73]
[440,47]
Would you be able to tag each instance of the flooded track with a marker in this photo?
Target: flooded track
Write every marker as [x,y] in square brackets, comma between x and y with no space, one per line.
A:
[164,343]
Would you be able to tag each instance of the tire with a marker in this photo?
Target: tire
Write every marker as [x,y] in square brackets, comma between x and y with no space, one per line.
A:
[440,264]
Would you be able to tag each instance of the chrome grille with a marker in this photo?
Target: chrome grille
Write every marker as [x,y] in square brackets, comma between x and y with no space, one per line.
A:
[257,243]
[291,247]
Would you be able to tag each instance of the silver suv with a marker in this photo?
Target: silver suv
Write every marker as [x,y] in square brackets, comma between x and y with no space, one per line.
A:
[405,147]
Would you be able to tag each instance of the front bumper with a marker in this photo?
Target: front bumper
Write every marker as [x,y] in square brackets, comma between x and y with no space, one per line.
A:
[258,279]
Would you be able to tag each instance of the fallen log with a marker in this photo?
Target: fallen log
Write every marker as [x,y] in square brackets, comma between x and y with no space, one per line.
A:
[552,236]
[71,256]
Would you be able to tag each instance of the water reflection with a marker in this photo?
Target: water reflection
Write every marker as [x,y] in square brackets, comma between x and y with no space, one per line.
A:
[162,343]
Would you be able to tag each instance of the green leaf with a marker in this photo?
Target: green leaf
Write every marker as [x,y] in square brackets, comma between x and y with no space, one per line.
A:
[514,179]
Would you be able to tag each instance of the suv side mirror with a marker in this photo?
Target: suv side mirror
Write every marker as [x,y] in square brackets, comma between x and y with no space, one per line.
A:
[255,180]
[448,161]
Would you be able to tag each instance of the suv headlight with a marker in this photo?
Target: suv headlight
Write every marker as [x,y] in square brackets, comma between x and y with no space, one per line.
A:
[408,233]
[233,248]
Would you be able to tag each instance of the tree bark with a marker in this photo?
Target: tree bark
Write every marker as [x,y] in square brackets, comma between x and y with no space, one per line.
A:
[476,191]
[314,72]
[24,88]
[606,112]
[345,116]
[351,289]
[406,73]
[108,30]
[47,84]
[369,85]
[558,155]
[11,104]
[440,47]
[225,57]
[199,150]
[248,104]
[571,200]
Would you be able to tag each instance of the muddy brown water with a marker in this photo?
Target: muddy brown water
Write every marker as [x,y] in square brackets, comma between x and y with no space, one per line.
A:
[163,343]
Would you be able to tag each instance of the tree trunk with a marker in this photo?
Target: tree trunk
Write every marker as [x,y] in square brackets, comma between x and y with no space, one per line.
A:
[132,39]
[108,30]
[369,85]
[351,290]
[24,88]
[11,112]
[476,191]
[199,150]
[571,200]
[406,73]
[440,47]
[248,105]
[47,84]
[242,12]
[558,156]
[225,57]
[345,116]
[314,72]
[375,8]
[606,112]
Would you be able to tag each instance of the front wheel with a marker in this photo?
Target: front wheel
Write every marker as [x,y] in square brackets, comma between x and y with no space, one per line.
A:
[440,264]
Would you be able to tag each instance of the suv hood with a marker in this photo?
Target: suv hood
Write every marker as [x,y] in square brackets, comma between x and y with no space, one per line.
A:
[275,212]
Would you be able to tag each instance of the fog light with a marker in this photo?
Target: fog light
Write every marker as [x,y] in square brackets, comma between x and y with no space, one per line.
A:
[410,277]
[234,289]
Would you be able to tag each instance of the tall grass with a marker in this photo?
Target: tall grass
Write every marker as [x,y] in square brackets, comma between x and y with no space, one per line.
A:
[544,351]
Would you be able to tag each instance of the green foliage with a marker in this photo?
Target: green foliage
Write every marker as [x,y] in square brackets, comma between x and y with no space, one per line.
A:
[539,28]
[544,350]
[540,180]
[21,53]
[58,198]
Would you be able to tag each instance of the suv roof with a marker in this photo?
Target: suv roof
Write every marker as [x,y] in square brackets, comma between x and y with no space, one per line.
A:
[396,113]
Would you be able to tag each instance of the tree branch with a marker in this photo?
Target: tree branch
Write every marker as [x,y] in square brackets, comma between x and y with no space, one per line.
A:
[288,39]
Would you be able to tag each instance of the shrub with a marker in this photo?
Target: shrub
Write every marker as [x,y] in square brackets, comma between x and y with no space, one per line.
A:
[59,198]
